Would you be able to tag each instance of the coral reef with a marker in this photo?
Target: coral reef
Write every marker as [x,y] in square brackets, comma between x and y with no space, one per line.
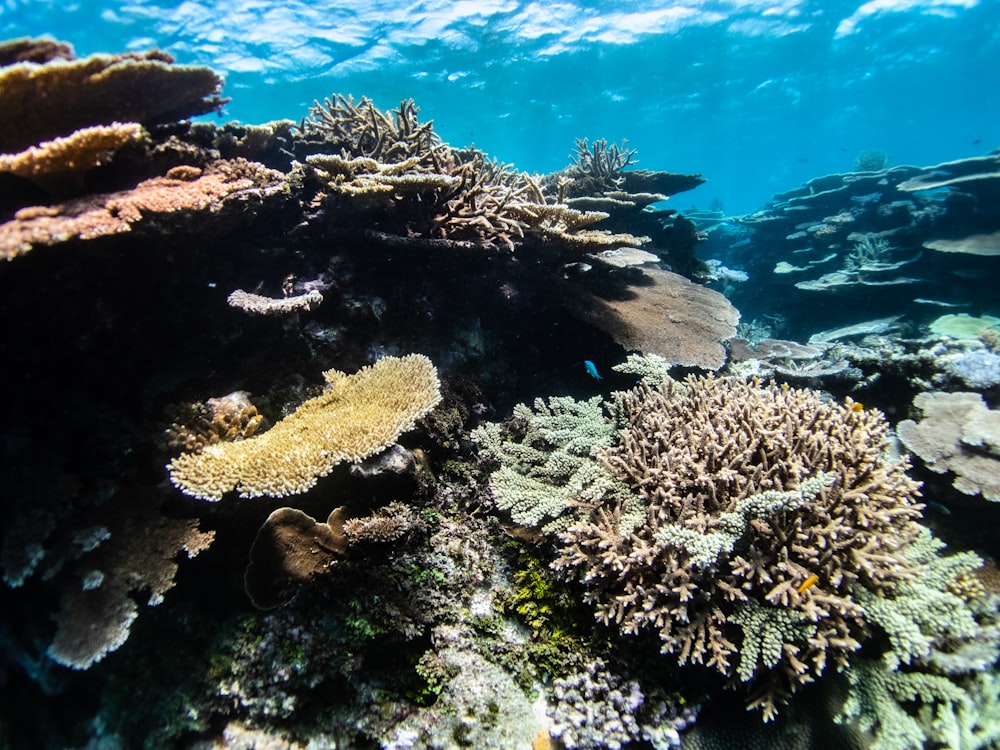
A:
[356,416]
[256,304]
[51,164]
[135,554]
[958,433]
[195,425]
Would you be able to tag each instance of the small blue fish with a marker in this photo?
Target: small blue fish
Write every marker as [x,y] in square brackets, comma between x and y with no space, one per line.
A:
[592,369]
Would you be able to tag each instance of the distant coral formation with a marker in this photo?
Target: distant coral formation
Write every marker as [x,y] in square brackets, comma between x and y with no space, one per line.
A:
[958,433]
[355,417]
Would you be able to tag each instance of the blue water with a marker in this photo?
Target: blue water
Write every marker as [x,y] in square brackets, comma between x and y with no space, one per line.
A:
[757,96]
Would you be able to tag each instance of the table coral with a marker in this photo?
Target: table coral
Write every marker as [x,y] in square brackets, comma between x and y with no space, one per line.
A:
[355,417]
[958,433]
[222,186]
[42,101]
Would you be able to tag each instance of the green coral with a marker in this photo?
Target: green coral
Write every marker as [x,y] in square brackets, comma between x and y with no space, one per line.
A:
[651,368]
[548,476]
[935,684]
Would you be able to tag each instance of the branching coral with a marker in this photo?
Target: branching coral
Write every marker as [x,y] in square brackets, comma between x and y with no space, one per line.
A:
[751,492]
[363,130]
[597,168]
[355,417]
[547,476]
[256,304]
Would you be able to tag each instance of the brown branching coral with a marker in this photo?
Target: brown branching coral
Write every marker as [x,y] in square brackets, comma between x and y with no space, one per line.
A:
[355,417]
[766,505]
[40,102]
[597,168]
[221,186]
[363,130]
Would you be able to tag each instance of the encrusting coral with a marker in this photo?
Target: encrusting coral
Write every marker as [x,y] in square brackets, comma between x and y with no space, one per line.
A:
[355,417]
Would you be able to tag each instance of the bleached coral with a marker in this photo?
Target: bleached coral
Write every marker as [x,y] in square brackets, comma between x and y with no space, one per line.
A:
[257,304]
[355,417]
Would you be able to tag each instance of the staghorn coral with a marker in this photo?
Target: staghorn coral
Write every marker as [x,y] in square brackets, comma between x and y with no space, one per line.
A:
[43,101]
[363,130]
[51,163]
[223,186]
[751,491]
[597,168]
[958,433]
[355,417]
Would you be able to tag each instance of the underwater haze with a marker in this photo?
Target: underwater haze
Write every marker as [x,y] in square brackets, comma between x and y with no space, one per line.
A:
[756,96]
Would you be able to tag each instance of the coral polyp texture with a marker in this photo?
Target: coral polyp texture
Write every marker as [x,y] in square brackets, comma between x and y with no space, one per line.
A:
[766,507]
[355,417]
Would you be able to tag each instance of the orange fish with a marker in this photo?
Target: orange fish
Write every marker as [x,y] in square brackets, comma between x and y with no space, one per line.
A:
[807,584]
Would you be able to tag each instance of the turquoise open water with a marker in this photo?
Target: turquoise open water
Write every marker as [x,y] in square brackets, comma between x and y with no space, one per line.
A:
[758,96]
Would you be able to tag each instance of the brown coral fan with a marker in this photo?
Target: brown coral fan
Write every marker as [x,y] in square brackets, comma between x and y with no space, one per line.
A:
[221,185]
[290,549]
[355,417]
[40,102]
[958,433]
[765,506]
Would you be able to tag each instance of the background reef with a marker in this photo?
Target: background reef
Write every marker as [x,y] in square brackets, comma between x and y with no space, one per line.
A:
[344,319]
